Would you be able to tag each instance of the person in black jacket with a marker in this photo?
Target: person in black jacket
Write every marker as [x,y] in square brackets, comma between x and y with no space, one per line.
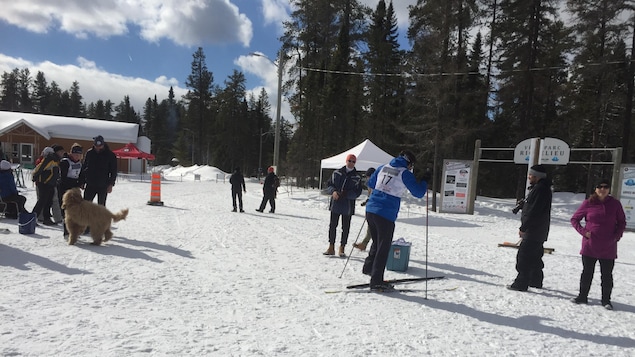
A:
[46,175]
[534,229]
[70,169]
[344,186]
[269,190]
[99,171]
[238,186]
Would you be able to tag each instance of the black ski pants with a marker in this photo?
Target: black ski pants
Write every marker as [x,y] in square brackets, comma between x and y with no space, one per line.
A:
[346,227]
[606,270]
[237,195]
[44,202]
[101,192]
[381,232]
[529,264]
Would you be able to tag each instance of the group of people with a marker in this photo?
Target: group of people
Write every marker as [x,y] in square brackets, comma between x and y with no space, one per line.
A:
[269,190]
[57,171]
[386,185]
[604,225]
[603,215]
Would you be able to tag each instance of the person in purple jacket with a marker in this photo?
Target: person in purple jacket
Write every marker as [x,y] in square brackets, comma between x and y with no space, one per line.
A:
[604,225]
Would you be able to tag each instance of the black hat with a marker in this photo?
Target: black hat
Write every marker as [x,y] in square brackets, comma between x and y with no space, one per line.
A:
[370,171]
[76,149]
[604,181]
[57,148]
[409,156]
[99,140]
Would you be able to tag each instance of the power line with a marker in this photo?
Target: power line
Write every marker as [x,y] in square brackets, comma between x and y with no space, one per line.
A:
[447,74]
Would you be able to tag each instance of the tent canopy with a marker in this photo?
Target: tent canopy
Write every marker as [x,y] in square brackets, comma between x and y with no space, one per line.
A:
[368,155]
[130,151]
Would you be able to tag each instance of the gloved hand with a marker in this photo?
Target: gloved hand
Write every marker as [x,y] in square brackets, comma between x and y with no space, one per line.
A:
[425,175]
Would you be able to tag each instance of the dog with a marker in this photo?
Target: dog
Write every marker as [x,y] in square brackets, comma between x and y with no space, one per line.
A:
[79,214]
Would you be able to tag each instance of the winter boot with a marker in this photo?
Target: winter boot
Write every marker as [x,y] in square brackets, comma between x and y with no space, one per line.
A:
[341,252]
[331,250]
[361,246]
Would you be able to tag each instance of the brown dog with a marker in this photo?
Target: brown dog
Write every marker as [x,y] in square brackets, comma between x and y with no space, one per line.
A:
[79,214]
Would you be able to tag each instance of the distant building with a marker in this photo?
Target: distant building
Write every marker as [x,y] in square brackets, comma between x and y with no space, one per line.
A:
[23,136]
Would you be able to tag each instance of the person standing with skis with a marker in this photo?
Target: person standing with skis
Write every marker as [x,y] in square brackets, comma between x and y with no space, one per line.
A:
[344,186]
[389,183]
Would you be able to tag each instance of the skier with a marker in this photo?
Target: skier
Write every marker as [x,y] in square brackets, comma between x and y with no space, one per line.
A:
[388,183]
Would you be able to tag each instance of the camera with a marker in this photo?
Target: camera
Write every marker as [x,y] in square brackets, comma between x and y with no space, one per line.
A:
[519,206]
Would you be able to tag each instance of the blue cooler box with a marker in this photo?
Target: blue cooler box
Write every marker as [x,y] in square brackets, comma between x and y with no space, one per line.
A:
[398,257]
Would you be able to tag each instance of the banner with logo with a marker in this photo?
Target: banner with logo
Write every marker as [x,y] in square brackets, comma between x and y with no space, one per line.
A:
[627,193]
[455,186]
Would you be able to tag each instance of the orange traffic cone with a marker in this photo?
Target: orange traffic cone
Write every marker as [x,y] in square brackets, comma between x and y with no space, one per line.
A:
[155,190]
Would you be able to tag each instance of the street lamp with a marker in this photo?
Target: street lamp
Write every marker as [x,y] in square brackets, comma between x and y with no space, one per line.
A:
[276,143]
[260,153]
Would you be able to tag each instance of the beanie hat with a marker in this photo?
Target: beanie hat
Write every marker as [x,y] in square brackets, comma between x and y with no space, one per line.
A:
[370,171]
[57,148]
[5,165]
[99,140]
[47,150]
[270,169]
[538,171]
[76,149]
[351,157]
[601,182]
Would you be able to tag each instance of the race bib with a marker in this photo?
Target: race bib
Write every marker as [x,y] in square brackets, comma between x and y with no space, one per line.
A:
[389,181]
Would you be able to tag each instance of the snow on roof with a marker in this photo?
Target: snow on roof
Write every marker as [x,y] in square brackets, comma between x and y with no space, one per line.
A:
[51,126]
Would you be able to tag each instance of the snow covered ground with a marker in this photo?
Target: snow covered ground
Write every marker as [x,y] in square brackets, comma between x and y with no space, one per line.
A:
[193,278]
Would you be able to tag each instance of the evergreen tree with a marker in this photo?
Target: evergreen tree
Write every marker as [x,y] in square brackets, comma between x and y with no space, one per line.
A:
[385,84]
[10,99]
[40,93]
[199,103]
[77,108]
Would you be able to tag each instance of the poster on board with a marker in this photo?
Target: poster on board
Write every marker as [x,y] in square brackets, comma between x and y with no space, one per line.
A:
[627,196]
[455,186]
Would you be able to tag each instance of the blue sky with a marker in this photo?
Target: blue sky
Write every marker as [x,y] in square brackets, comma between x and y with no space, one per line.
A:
[142,47]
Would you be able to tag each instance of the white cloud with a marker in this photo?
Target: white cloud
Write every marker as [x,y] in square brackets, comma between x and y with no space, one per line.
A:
[268,72]
[186,22]
[275,12]
[95,83]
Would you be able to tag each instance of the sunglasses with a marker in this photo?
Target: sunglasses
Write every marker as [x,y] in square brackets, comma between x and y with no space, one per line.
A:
[602,186]
[350,161]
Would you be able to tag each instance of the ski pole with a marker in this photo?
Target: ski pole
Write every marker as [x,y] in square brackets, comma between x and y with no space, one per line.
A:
[352,247]
[427,210]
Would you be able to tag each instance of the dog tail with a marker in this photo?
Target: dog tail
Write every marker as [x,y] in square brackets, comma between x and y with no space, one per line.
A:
[120,215]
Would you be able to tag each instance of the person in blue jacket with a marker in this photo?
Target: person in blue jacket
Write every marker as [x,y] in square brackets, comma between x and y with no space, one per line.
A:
[389,183]
[9,191]
[344,186]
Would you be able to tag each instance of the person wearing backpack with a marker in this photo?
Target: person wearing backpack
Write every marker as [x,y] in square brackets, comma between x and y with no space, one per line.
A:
[46,176]
[269,190]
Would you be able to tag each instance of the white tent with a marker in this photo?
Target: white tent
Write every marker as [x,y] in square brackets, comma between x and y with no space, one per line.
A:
[368,155]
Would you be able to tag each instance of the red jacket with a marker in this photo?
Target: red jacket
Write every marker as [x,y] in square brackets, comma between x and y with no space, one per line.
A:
[606,222]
